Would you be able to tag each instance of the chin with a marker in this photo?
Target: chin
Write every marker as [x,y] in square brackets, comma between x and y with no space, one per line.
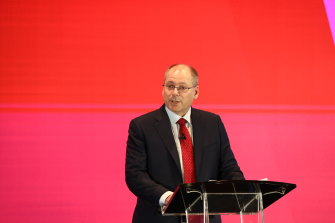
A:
[173,109]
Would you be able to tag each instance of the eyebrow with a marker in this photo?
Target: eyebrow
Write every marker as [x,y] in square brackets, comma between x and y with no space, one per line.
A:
[171,82]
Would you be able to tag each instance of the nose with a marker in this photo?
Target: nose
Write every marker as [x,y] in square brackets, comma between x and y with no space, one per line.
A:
[175,91]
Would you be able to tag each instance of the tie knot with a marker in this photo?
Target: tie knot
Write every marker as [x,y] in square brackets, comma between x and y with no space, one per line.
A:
[181,121]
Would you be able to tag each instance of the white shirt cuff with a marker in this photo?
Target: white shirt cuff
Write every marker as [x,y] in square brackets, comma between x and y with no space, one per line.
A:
[163,197]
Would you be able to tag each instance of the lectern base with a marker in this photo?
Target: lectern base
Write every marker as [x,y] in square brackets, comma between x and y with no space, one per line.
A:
[243,218]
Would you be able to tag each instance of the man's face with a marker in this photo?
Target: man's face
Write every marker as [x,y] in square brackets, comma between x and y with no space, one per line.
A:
[179,102]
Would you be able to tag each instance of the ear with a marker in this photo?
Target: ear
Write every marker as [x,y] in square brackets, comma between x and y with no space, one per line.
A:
[196,92]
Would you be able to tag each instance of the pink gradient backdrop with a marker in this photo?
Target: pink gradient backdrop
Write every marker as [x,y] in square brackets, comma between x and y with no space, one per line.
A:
[69,167]
[330,9]
[73,73]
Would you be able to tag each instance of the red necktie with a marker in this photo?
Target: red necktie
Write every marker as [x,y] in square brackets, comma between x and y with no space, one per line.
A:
[187,152]
[188,161]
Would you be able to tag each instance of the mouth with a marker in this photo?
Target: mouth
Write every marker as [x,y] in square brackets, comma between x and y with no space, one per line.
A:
[175,101]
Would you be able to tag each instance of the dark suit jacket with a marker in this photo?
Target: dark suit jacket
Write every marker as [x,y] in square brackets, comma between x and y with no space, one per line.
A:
[152,161]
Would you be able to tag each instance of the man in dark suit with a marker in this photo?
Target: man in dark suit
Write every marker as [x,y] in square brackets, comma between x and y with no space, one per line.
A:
[154,163]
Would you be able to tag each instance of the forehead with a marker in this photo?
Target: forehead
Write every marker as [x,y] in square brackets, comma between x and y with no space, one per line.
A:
[179,75]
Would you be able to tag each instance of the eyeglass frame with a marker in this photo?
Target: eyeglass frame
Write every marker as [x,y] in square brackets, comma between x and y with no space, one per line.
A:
[184,90]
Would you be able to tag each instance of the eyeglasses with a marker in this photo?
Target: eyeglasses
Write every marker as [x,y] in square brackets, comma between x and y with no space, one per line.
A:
[180,89]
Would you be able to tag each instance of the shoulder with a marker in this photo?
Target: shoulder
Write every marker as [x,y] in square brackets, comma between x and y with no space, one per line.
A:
[207,121]
[202,114]
[150,116]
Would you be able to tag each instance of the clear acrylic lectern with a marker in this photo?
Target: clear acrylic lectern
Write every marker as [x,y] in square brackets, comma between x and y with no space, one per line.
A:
[225,197]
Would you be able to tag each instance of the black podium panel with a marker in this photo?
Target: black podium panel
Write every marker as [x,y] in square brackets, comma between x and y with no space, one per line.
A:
[226,197]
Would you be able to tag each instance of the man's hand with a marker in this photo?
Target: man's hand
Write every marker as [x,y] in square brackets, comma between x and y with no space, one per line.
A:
[167,200]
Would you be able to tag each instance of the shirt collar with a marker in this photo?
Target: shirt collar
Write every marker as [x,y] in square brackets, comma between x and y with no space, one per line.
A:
[174,117]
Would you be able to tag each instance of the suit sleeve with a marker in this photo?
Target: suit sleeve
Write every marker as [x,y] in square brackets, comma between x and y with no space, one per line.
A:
[229,169]
[137,177]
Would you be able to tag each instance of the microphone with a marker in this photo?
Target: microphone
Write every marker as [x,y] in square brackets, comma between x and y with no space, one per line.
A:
[182,137]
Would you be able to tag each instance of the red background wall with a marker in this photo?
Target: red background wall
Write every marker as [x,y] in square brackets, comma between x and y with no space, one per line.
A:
[74,73]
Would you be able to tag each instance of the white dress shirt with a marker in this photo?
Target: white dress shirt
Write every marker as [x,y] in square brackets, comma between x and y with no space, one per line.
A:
[175,130]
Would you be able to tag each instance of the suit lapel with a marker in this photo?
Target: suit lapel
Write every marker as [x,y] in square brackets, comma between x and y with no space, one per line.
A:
[163,128]
[198,139]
